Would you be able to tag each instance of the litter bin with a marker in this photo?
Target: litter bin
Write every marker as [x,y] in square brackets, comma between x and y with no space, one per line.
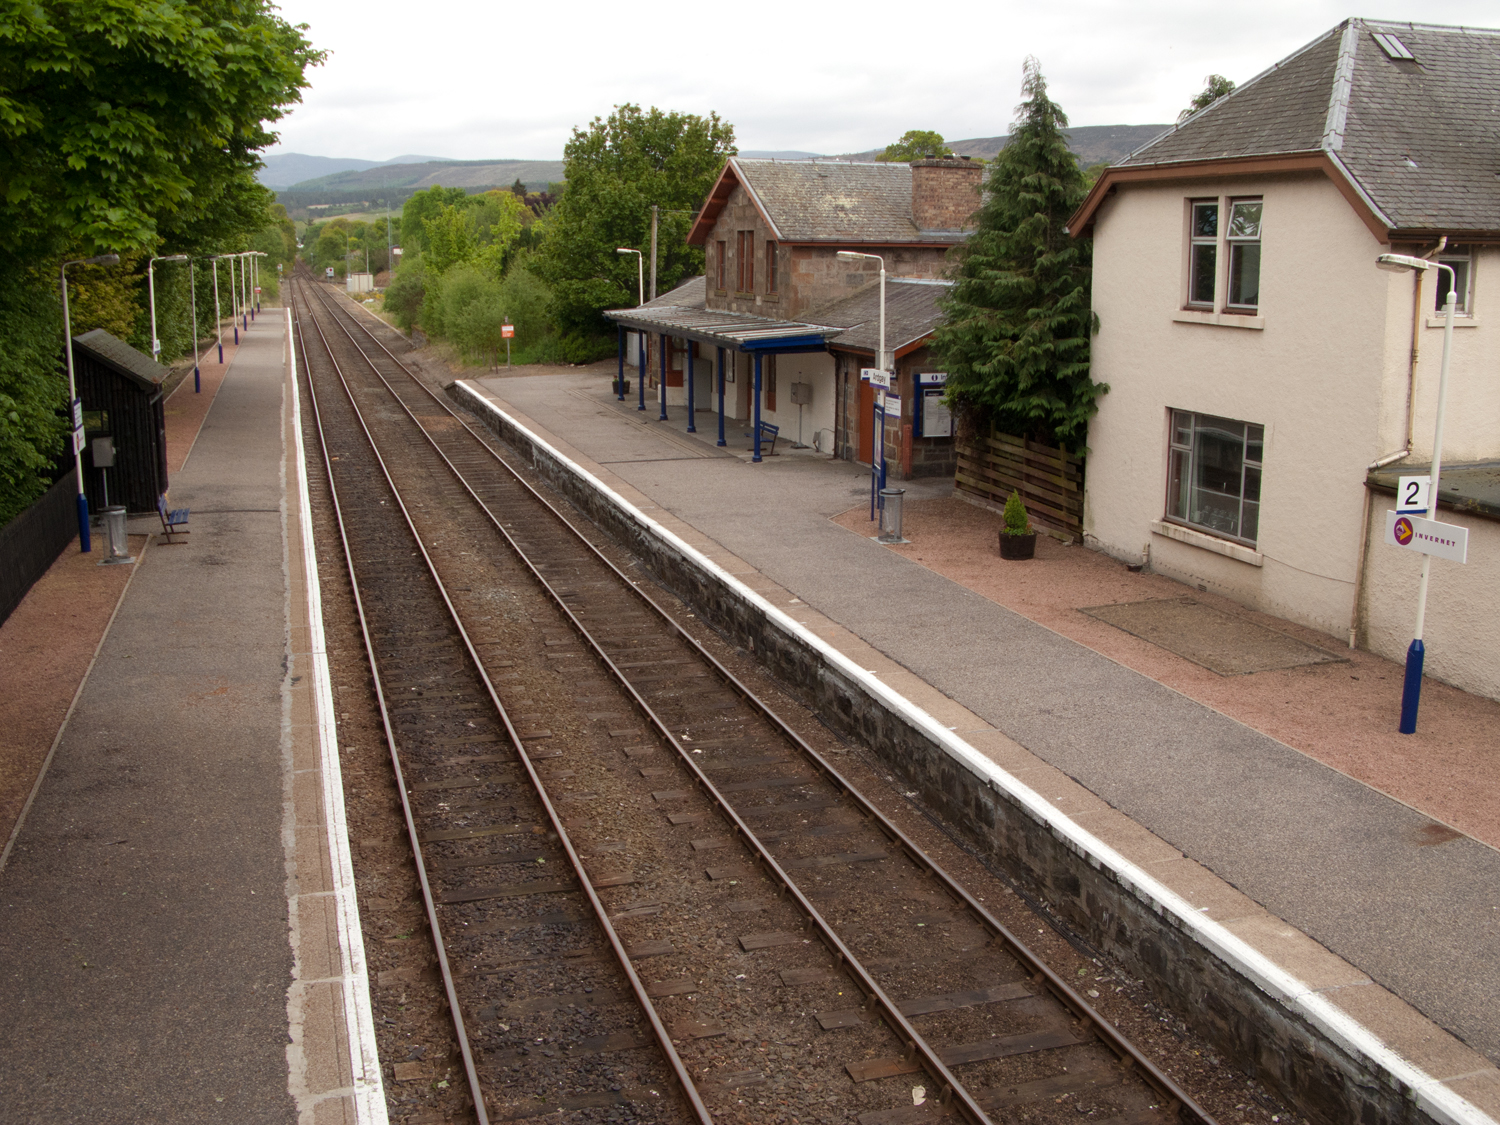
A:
[114,530]
[890,515]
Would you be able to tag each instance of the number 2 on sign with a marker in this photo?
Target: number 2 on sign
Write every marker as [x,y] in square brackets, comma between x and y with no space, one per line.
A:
[1412,493]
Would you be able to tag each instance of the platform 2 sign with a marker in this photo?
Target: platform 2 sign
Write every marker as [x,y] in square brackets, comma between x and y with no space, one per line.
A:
[1428,537]
[1411,494]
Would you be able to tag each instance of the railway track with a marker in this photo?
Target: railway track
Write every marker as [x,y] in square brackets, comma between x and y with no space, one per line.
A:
[653,900]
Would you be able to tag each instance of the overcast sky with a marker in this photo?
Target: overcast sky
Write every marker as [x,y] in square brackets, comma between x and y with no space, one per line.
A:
[467,80]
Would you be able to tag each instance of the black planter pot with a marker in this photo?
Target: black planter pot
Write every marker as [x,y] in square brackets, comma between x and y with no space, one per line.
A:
[1017,546]
[619,387]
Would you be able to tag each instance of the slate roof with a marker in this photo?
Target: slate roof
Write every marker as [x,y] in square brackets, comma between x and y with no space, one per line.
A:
[681,312]
[1464,487]
[693,292]
[911,314]
[827,201]
[120,357]
[1419,139]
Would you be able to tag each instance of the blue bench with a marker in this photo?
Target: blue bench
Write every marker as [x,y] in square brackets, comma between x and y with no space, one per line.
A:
[769,432]
[173,521]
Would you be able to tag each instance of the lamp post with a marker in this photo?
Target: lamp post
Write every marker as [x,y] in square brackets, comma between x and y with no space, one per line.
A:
[234,300]
[193,298]
[218,316]
[84,545]
[640,273]
[255,257]
[1411,690]
[877,472]
[151,290]
[244,289]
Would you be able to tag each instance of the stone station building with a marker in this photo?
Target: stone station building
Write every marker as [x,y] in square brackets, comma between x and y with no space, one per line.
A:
[779,328]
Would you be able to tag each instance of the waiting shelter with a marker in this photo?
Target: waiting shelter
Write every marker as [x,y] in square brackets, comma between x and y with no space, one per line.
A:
[122,394]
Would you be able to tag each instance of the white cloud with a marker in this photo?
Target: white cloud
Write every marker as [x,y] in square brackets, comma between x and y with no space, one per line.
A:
[467,80]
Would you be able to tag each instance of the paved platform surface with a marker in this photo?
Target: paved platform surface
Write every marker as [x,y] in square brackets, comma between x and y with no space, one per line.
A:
[168,950]
[1326,875]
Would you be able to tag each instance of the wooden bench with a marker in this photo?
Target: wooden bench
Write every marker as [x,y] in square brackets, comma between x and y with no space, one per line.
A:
[173,521]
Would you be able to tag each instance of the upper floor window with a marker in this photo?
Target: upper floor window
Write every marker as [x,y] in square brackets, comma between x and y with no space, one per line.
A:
[721,263]
[745,261]
[1243,237]
[1235,245]
[1203,264]
[770,267]
[1461,258]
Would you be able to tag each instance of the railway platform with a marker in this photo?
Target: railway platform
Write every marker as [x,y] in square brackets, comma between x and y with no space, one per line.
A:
[175,938]
[1376,904]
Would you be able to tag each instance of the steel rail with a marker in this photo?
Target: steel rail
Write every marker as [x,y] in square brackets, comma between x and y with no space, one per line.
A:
[950,1088]
[688,1087]
[1036,967]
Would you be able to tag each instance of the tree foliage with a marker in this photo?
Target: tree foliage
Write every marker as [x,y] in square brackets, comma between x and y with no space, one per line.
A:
[915,144]
[616,169]
[121,117]
[422,207]
[130,126]
[1016,334]
[1215,86]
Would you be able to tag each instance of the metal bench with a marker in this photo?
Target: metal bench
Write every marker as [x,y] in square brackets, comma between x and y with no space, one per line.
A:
[768,432]
[173,521]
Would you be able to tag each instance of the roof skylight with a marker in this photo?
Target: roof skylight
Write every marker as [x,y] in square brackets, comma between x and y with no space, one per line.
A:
[1391,45]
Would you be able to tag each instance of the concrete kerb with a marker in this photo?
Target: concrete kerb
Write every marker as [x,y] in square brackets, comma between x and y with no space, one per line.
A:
[364,1059]
[1327,1063]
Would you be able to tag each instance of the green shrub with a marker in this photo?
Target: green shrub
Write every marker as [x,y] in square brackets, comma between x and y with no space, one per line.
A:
[406,293]
[1017,522]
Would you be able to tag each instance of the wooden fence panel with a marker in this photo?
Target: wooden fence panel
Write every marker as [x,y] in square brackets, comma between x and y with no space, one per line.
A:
[1049,480]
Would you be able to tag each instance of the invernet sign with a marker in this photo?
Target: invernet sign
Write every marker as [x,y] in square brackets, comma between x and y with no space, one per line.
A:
[1427,537]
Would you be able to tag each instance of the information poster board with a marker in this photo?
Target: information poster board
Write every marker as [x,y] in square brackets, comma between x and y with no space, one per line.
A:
[937,419]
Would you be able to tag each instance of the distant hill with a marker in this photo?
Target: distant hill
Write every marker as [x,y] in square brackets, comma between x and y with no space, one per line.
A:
[1092,144]
[284,169]
[535,174]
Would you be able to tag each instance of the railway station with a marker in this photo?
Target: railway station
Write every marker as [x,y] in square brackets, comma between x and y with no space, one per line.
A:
[708,820]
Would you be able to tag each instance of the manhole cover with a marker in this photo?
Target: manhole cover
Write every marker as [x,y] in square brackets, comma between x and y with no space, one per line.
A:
[1222,642]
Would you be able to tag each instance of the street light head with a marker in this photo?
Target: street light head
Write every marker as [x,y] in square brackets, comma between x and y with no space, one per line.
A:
[1401,263]
[626,250]
[849,255]
[172,258]
[103,260]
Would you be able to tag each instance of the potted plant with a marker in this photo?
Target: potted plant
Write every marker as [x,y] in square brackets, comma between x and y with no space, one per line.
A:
[1017,539]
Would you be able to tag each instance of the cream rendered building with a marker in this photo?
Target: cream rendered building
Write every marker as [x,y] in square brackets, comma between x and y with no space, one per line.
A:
[1268,381]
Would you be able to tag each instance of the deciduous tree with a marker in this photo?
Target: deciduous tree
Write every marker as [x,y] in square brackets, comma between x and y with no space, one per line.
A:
[130,126]
[1016,336]
[120,116]
[616,169]
[1215,86]
[916,144]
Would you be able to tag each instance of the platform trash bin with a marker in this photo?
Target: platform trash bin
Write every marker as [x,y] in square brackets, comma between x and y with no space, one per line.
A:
[114,530]
[890,515]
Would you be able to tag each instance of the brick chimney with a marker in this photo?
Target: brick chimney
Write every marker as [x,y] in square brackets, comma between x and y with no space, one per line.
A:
[945,193]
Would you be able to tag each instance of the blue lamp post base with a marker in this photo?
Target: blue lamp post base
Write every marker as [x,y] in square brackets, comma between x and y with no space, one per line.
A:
[84,543]
[1411,690]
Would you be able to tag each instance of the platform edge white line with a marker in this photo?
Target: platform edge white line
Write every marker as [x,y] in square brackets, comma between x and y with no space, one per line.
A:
[364,1057]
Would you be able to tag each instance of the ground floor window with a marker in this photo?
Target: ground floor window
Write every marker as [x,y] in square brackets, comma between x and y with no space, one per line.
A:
[1213,481]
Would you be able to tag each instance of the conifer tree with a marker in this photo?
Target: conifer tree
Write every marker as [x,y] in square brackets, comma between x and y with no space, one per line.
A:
[1016,336]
